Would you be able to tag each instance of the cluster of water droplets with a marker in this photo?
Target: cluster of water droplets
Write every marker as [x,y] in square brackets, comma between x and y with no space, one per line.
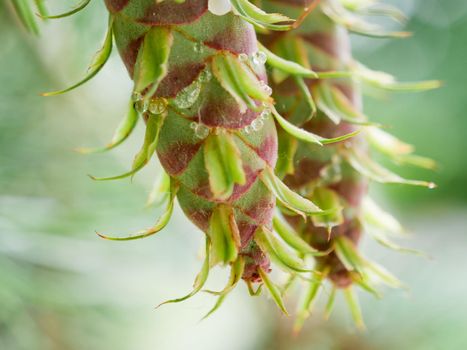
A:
[198,47]
[190,94]
[155,105]
[258,58]
[205,76]
[266,88]
[141,105]
[202,131]
[258,123]
[184,99]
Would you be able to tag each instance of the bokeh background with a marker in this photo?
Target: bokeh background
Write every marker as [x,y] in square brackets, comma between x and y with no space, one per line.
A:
[63,288]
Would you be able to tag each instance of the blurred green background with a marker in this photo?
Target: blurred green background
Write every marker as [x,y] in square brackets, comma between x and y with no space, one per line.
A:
[63,288]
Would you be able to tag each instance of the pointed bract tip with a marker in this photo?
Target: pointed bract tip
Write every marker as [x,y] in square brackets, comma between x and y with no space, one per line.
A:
[81,150]
[84,150]
[125,238]
[299,322]
[434,84]
[161,304]
[329,230]
[112,238]
[361,327]
[74,10]
[101,235]
[403,34]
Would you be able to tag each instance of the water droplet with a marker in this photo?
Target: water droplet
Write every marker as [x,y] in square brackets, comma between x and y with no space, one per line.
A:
[247,129]
[266,88]
[243,57]
[198,47]
[188,96]
[219,7]
[201,131]
[141,106]
[157,105]
[193,125]
[257,124]
[331,173]
[265,113]
[136,96]
[259,58]
[205,76]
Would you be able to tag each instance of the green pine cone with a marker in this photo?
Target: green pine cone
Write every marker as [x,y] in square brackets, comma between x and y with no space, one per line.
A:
[212,146]
[201,87]
[334,177]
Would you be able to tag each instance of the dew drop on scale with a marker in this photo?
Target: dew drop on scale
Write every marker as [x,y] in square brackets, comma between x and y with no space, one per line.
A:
[259,58]
[198,47]
[265,113]
[205,76]
[257,124]
[219,7]
[136,96]
[141,106]
[201,131]
[266,88]
[247,129]
[188,96]
[243,57]
[157,105]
